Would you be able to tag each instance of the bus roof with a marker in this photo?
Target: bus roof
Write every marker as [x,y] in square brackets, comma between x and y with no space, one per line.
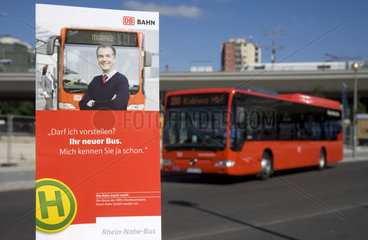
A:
[312,100]
[294,97]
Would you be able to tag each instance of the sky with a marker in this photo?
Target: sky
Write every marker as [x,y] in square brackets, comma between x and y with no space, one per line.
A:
[192,31]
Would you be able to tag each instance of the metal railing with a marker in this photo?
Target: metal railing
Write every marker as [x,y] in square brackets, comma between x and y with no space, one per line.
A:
[17,136]
[17,139]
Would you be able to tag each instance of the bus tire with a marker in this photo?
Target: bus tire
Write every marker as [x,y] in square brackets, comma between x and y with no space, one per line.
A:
[266,166]
[322,159]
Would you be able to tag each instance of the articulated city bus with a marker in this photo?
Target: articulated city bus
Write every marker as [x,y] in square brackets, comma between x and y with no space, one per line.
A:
[77,62]
[240,132]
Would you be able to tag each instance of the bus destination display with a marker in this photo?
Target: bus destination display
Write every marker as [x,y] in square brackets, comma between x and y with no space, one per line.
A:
[128,39]
[214,99]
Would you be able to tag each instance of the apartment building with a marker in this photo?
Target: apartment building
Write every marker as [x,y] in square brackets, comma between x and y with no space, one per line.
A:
[238,53]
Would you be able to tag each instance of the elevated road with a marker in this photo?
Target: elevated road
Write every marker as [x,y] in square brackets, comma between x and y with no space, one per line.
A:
[329,82]
[22,85]
[17,86]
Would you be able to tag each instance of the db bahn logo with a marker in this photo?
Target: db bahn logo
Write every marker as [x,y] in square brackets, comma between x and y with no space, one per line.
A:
[56,205]
[128,20]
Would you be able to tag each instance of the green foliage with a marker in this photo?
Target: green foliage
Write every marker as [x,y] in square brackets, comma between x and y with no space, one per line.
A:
[361,107]
[317,92]
[17,108]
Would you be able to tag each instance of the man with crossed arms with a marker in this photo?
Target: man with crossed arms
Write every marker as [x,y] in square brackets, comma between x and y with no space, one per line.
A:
[109,91]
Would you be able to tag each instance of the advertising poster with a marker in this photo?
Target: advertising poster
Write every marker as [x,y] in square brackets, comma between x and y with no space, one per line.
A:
[97,124]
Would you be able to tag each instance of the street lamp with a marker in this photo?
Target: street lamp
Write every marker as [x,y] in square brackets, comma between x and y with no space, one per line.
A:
[274,34]
[355,67]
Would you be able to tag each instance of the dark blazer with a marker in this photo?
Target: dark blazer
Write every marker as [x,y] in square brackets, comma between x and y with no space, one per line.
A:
[102,93]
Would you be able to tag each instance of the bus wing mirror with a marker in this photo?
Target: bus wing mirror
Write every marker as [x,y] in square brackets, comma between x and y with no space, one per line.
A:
[51,45]
[147,59]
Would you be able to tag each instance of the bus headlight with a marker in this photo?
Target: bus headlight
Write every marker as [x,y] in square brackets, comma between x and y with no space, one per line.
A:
[167,162]
[66,106]
[225,163]
[136,107]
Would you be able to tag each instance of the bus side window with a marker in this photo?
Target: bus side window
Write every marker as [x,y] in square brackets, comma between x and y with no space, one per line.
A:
[285,126]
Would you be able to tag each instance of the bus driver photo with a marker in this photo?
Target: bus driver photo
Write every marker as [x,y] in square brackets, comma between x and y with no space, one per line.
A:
[110,90]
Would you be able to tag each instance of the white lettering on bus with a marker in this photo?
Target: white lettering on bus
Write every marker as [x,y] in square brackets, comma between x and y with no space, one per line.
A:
[101,37]
[333,113]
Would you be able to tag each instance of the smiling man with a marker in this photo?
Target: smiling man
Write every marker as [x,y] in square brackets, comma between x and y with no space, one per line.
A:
[110,90]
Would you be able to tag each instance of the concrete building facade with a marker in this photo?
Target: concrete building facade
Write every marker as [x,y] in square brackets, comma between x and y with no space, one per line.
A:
[15,55]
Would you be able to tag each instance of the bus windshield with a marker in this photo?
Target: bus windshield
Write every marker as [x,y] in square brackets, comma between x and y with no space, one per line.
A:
[196,124]
[80,66]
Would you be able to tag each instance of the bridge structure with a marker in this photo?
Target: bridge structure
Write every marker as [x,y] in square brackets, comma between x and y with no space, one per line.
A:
[329,82]
[17,86]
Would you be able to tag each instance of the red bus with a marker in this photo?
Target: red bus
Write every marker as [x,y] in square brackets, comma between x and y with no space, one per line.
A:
[240,132]
[77,62]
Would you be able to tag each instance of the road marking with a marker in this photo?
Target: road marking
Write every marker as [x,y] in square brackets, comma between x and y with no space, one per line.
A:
[256,226]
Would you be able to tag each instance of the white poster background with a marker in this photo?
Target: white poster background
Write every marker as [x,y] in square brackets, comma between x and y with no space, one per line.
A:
[114,228]
[51,18]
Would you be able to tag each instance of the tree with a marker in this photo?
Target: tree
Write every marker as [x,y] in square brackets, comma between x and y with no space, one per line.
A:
[17,108]
[317,92]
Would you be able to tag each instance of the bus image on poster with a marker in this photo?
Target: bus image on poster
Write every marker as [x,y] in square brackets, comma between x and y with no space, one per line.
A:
[77,65]
[238,132]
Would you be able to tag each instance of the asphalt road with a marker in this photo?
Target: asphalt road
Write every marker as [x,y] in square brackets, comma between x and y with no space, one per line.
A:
[17,219]
[298,204]
[302,204]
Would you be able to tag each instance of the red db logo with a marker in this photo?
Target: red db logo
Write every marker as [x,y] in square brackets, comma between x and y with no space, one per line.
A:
[128,20]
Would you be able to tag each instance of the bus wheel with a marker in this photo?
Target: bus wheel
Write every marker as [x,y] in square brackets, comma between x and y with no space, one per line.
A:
[322,160]
[266,164]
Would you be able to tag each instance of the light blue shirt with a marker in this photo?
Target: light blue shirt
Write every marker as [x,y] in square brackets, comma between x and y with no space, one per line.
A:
[112,73]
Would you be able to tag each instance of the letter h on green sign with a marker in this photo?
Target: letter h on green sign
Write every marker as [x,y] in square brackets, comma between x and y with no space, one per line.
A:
[58,202]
